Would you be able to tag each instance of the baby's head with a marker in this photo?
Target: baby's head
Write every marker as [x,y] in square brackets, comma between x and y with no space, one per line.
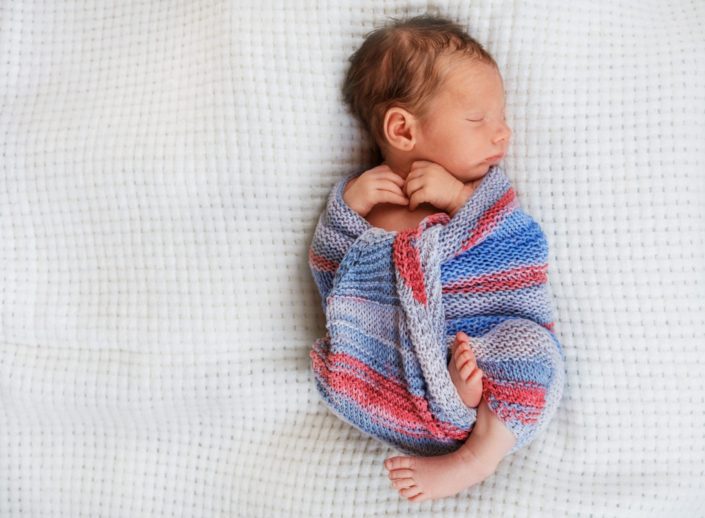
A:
[425,90]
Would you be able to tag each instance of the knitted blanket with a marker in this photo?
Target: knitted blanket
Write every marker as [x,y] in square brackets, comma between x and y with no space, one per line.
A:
[394,302]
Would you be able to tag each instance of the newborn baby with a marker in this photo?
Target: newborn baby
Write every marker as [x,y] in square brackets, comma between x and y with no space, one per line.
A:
[427,246]
[438,134]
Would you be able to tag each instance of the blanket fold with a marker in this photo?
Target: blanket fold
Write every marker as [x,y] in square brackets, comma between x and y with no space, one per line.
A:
[394,302]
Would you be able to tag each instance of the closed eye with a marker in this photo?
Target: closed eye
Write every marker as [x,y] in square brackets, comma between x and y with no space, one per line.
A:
[475,120]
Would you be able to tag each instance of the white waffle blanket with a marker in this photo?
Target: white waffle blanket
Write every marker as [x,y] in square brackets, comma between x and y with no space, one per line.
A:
[162,166]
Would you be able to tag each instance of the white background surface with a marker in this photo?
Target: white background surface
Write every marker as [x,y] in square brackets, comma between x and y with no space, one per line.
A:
[162,166]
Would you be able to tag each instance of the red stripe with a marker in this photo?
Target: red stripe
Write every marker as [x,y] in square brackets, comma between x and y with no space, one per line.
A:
[434,219]
[490,218]
[531,397]
[526,416]
[514,279]
[321,263]
[383,398]
[408,263]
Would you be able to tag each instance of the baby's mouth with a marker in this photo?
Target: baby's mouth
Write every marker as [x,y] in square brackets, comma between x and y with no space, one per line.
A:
[495,159]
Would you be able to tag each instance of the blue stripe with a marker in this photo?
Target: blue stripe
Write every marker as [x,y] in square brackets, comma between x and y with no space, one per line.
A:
[498,253]
[518,370]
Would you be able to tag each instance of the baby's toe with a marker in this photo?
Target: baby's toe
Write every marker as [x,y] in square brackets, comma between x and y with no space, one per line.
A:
[410,492]
[467,370]
[475,376]
[403,483]
[464,356]
[460,338]
[393,463]
[401,473]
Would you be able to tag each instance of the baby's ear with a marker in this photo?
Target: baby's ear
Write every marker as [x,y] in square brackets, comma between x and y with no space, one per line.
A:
[399,128]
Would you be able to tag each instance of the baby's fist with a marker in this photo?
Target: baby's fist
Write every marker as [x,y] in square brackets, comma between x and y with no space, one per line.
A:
[377,185]
[431,183]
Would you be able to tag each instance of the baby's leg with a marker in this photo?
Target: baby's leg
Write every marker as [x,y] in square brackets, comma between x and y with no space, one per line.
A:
[425,478]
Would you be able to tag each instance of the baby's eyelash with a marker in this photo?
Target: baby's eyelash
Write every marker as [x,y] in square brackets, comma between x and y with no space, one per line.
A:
[504,118]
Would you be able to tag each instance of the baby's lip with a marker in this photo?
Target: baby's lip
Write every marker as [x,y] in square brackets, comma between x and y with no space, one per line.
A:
[495,158]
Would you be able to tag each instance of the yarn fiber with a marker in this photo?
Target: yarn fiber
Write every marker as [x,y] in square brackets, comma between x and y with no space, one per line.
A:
[394,302]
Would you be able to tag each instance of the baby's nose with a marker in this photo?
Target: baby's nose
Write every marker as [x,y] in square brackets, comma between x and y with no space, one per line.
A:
[504,133]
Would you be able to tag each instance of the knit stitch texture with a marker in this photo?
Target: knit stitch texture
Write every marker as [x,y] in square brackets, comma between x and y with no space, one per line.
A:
[394,302]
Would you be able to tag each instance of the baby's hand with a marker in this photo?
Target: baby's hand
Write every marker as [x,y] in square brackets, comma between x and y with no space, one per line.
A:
[432,183]
[377,185]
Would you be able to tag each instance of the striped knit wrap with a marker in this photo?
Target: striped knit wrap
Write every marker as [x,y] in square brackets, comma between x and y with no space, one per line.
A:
[394,302]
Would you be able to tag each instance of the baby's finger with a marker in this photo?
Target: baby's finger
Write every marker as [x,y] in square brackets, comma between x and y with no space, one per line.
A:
[390,176]
[416,199]
[387,185]
[385,196]
[378,173]
[413,185]
[412,174]
[391,184]
[382,169]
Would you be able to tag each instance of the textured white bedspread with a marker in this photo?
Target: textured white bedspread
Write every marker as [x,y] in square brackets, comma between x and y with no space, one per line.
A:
[162,166]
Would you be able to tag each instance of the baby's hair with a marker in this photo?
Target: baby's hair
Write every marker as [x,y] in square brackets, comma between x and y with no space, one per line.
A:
[398,65]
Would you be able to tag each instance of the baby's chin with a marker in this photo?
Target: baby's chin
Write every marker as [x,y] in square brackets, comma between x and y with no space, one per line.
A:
[475,173]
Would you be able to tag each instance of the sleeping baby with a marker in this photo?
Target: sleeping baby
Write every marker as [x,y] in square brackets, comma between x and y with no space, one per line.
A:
[432,100]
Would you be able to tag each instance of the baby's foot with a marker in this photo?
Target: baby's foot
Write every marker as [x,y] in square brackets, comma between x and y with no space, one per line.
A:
[464,372]
[427,478]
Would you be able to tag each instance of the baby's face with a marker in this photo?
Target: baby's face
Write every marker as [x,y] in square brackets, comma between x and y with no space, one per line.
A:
[465,130]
